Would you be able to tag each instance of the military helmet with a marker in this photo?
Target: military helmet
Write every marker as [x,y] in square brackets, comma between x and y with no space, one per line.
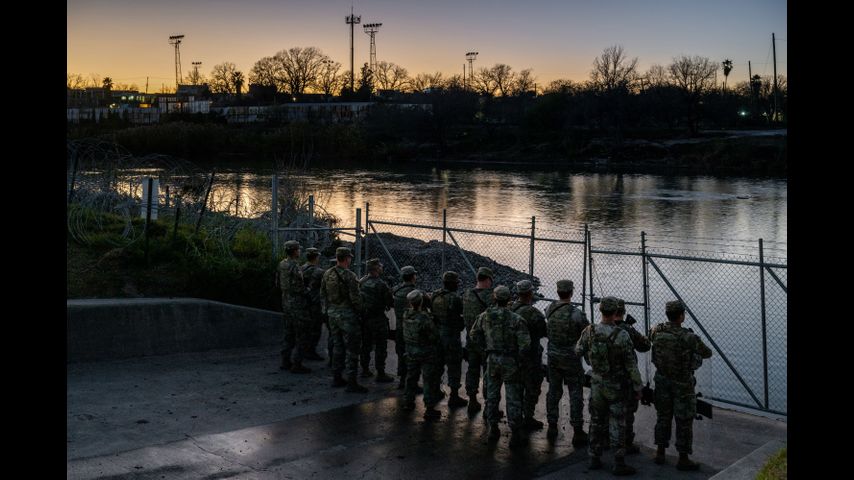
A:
[502,293]
[415,296]
[524,286]
[312,251]
[564,286]
[484,272]
[407,270]
[450,277]
[675,306]
[374,262]
[609,304]
[342,253]
[291,245]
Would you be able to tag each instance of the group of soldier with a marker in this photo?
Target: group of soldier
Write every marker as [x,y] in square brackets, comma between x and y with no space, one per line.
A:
[502,346]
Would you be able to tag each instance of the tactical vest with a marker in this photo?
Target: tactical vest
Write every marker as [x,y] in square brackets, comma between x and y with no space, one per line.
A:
[497,328]
[441,307]
[605,356]
[563,333]
[372,293]
[672,352]
[413,333]
[400,303]
[474,304]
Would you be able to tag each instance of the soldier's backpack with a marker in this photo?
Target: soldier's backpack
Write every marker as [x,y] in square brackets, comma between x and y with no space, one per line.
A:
[604,355]
[372,298]
[671,352]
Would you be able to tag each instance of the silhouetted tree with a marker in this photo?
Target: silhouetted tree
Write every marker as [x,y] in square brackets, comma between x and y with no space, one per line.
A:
[299,68]
[612,70]
[390,76]
[524,82]
[694,76]
[727,66]
[222,78]
[264,73]
[330,80]
[423,81]
[237,80]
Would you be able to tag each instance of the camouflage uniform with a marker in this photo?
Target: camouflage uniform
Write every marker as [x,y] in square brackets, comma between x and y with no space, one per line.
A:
[641,344]
[340,289]
[608,349]
[376,299]
[422,354]
[475,302]
[565,324]
[295,310]
[399,292]
[447,309]
[532,364]
[503,336]
[312,275]
[676,353]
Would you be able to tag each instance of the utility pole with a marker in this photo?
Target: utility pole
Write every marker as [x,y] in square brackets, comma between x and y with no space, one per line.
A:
[352,20]
[371,29]
[774,48]
[176,40]
[470,56]
[146,84]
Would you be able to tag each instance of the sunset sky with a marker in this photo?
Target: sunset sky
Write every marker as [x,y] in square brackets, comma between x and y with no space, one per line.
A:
[128,40]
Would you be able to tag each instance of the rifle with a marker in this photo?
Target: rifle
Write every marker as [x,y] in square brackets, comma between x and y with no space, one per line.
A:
[704,408]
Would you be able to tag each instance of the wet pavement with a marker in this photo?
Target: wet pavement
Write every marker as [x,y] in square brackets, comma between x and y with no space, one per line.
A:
[334,435]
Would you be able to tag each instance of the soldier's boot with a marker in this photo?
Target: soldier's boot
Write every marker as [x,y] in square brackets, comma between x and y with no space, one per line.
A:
[338,381]
[494,433]
[533,424]
[456,401]
[620,467]
[299,368]
[432,414]
[579,437]
[354,387]
[552,432]
[659,456]
[286,362]
[686,463]
[595,463]
[517,439]
[366,372]
[474,405]
[383,378]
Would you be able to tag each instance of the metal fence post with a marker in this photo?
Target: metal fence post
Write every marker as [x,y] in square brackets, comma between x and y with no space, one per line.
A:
[444,235]
[367,232]
[584,273]
[531,260]
[590,270]
[148,215]
[311,233]
[274,216]
[205,204]
[764,339]
[358,244]
[167,197]
[645,284]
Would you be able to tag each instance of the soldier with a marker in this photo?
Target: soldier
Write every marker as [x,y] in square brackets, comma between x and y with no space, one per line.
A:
[532,365]
[376,299]
[475,301]
[294,310]
[399,292]
[340,289]
[565,324]
[422,355]
[608,349]
[503,336]
[447,309]
[312,274]
[676,353]
[641,344]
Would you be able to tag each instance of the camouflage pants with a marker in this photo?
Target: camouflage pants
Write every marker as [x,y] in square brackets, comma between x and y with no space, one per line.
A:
[675,399]
[573,377]
[504,369]
[346,337]
[607,405]
[477,363]
[532,384]
[451,355]
[400,349]
[297,329]
[375,337]
[631,408]
[316,325]
[427,367]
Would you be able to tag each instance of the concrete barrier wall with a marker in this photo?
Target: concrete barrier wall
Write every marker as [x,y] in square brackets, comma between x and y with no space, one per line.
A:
[102,329]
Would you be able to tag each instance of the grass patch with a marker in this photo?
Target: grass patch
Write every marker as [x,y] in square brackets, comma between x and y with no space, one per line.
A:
[776,468]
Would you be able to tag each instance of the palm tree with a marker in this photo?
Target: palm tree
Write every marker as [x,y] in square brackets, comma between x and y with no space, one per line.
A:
[727,68]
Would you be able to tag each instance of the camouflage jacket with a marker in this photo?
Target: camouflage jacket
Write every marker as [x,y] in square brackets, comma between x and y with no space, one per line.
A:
[677,351]
[565,324]
[639,340]
[536,323]
[340,289]
[312,275]
[399,292]
[420,334]
[447,308]
[475,302]
[498,330]
[609,350]
[291,282]
[376,296]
